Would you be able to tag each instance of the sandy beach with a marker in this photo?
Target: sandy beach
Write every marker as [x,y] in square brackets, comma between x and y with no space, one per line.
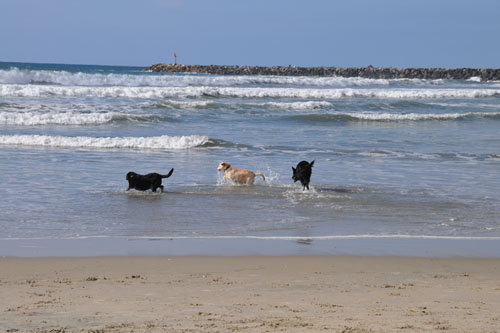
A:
[249,294]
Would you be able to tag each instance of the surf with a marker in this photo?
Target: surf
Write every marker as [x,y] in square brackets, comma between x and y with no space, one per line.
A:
[156,142]
[14,90]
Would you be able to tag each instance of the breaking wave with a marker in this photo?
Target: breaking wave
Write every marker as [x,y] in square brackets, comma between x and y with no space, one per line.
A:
[64,78]
[309,105]
[204,104]
[14,90]
[157,142]
[182,104]
[71,118]
[366,116]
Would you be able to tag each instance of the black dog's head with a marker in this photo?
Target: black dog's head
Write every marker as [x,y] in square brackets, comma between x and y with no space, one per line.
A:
[295,177]
[298,174]
[131,175]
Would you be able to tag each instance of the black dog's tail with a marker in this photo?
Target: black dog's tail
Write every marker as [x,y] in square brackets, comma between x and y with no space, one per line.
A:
[168,174]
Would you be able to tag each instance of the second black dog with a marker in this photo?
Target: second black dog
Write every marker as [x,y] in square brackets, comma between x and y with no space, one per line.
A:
[151,181]
[303,173]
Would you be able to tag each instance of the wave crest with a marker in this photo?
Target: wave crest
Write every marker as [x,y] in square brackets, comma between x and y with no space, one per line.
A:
[308,105]
[73,119]
[157,142]
[10,90]
[382,117]
[64,78]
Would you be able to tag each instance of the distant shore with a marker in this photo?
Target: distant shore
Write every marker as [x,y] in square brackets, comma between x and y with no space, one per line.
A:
[483,74]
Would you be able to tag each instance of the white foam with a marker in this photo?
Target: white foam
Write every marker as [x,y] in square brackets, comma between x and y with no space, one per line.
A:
[63,118]
[186,104]
[418,116]
[309,105]
[475,79]
[18,76]
[334,81]
[306,105]
[12,90]
[157,142]
[73,118]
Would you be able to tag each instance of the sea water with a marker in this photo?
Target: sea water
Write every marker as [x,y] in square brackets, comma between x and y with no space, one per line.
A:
[394,159]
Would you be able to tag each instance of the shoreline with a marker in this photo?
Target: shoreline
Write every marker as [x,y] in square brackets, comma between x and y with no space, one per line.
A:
[370,72]
[237,246]
[249,294]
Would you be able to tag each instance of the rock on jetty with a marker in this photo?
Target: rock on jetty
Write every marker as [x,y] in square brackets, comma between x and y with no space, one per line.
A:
[485,74]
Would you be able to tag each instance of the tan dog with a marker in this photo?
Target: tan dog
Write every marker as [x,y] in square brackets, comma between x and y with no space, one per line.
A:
[239,176]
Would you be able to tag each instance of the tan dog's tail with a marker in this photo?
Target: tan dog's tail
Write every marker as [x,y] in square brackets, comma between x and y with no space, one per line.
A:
[259,174]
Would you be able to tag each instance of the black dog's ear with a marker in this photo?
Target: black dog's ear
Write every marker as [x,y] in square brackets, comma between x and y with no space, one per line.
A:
[311,164]
[293,169]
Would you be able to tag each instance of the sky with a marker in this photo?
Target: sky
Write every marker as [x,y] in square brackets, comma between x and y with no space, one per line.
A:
[348,33]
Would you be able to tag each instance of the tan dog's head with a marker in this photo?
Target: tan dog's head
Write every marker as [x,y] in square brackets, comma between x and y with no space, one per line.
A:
[223,166]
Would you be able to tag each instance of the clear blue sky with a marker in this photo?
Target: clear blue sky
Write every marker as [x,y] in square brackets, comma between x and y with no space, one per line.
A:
[397,33]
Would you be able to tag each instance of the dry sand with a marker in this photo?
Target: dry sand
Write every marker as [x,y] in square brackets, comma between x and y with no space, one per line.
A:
[249,294]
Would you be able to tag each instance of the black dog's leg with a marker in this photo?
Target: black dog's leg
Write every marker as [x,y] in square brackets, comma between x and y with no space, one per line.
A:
[304,186]
[154,188]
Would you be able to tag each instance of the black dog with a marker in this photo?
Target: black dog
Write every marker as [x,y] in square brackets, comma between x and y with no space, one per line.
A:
[303,173]
[151,181]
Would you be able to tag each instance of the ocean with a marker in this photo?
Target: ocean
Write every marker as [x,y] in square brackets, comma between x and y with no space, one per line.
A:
[395,161]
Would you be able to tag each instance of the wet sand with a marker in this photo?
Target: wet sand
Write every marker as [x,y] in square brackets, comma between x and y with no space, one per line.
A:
[249,294]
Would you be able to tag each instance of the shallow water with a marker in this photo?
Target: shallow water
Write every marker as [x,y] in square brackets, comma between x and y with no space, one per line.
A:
[401,158]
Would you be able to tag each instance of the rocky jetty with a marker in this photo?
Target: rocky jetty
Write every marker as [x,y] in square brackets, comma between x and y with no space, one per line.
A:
[485,74]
